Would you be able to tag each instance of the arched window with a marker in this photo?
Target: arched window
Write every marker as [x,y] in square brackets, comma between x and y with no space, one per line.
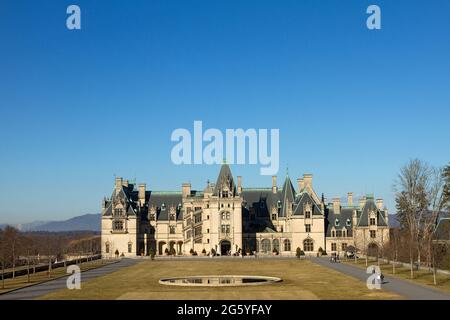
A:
[107,247]
[276,245]
[287,245]
[265,244]
[308,245]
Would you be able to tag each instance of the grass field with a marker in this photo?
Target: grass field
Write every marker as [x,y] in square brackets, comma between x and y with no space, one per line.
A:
[22,281]
[302,279]
[421,277]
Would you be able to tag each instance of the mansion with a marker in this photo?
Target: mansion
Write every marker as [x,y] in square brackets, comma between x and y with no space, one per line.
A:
[227,218]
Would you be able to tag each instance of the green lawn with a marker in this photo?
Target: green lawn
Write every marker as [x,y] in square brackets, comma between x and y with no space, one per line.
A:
[22,281]
[421,277]
[302,279]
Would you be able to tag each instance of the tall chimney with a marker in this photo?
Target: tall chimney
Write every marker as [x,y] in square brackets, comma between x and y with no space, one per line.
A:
[350,198]
[308,179]
[118,182]
[380,204]
[362,202]
[336,205]
[239,184]
[141,194]
[300,184]
[274,184]
[186,189]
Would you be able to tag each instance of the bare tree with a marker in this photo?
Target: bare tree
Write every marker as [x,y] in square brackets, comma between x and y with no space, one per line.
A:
[411,197]
[3,256]
[436,196]
[12,241]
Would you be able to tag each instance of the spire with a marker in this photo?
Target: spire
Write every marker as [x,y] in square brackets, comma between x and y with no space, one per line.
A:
[225,179]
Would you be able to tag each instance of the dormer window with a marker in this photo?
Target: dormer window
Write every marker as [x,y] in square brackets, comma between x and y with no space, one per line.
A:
[307,214]
[336,222]
[348,222]
[163,207]
[225,194]
[279,204]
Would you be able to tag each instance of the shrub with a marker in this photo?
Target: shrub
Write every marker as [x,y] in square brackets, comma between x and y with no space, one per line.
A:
[299,252]
[275,251]
[204,251]
[172,252]
[191,251]
[213,252]
[166,251]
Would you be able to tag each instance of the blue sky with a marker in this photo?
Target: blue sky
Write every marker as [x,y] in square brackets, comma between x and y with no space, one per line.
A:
[79,107]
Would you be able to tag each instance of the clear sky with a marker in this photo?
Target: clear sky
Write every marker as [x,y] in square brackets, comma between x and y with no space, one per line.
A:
[352,105]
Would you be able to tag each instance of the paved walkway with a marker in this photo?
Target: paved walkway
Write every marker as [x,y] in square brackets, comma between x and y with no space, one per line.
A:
[404,288]
[42,289]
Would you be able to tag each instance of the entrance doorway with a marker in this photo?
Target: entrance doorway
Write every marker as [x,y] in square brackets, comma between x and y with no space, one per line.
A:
[225,247]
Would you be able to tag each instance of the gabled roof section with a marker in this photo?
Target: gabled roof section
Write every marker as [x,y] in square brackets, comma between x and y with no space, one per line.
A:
[302,201]
[225,178]
[363,215]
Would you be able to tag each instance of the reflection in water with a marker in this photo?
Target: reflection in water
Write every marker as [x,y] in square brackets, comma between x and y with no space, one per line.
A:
[219,280]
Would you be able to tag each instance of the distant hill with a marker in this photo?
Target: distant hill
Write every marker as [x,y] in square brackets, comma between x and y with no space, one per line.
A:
[86,222]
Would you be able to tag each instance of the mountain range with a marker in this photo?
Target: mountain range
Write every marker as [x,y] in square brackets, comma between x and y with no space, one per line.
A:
[86,222]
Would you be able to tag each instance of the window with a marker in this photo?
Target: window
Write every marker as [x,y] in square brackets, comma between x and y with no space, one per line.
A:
[308,245]
[333,246]
[333,234]
[207,230]
[372,221]
[197,231]
[307,214]
[344,246]
[118,212]
[152,217]
[336,222]
[276,245]
[172,216]
[172,229]
[308,227]
[348,222]
[225,194]
[130,247]
[118,225]
[107,247]
[197,218]
[279,204]
[265,245]
[189,234]
[225,228]
[338,233]
[228,205]
[287,245]
[225,216]
[197,208]
[163,207]
[373,234]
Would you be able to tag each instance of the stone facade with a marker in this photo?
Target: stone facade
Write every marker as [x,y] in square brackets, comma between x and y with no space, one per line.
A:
[226,218]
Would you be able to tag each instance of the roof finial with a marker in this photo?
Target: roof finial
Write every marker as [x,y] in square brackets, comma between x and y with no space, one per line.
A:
[287,170]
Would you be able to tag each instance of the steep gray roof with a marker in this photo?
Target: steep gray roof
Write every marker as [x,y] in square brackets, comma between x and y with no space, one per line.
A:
[363,215]
[225,178]
[301,201]
[287,196]
[162,199]
[344,218]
